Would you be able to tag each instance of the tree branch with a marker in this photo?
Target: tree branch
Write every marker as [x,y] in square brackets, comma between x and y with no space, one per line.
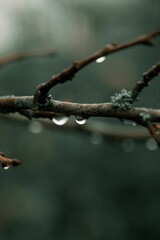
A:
[68,73]
[16,104]
[123,100]
[41,105]
[147,77]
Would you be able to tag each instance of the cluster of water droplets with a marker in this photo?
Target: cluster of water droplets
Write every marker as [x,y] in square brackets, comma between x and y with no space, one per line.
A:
[37,127]
[61,120]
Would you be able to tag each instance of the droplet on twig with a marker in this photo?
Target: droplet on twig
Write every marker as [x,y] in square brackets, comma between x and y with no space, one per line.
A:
[6,166]
[80,120]
[101,59]
[60,120]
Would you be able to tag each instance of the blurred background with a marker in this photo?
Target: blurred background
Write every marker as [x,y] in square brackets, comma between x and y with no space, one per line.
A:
[72,185]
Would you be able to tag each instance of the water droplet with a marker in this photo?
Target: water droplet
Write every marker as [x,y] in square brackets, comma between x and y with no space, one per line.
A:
[35,127]
[6,167]
[128,145]
[96,138]
[80,120]
[151,144]
[101,59]
[60,120]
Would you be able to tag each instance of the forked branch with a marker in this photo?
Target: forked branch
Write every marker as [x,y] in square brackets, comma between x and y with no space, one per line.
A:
[68,73]
[41,105]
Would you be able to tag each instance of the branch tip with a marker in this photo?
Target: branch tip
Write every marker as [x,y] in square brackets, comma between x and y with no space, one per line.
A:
[6,163]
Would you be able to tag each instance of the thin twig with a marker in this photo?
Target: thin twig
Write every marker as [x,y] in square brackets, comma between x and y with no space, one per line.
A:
[147,77]
[68,73]
[25,55]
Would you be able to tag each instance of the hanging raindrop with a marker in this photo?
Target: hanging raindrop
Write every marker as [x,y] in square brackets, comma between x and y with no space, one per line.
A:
[80,120]
[60,120]
[6,167]
[101,59]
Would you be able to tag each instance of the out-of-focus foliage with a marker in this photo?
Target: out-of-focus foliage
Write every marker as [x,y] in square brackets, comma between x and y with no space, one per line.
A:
[68,187]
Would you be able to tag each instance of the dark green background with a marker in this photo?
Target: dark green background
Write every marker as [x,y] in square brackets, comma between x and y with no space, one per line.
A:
[67,187]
